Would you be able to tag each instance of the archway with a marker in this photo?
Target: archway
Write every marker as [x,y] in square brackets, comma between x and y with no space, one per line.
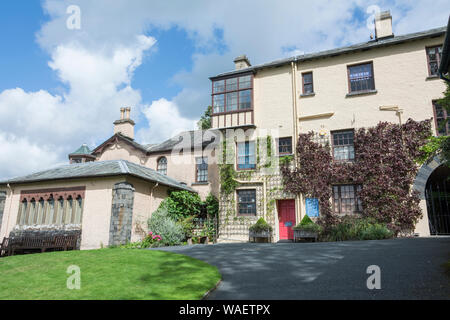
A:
[437,195]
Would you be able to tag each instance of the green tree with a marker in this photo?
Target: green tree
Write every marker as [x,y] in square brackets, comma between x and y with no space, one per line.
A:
[205,121]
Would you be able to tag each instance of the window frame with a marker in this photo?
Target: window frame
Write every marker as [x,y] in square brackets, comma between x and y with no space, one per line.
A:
[311,83]
[197,180]
[438,59]
[157,165]
[358,205]
[278,147]
[350,92]
[446,117]
[238,202]
[249,155]
[332,133]
[238,91]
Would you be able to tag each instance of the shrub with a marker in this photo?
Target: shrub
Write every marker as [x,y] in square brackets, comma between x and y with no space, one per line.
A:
[307,225]
[212,205]
[187,224]
[163,224]
[150,241]
[351,228]
[181,204]
[260,226]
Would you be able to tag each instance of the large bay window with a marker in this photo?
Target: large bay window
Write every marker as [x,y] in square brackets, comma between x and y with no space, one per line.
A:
[232,94]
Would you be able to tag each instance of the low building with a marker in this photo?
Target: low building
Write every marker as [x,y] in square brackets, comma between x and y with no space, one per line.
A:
[106,202]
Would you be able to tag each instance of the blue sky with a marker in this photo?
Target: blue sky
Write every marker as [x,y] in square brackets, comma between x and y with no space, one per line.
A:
[60,88]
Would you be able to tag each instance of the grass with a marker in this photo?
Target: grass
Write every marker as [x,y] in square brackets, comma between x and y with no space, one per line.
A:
[119,274]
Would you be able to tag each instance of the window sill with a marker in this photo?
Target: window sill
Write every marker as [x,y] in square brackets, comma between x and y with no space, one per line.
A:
[433,77]
[285,155]
[200,183]
[304,95]
[360,93]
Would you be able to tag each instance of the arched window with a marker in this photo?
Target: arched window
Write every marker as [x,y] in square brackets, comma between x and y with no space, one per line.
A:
[21,218]
[50,211]
[78,210]
[162,165]
[59,211]
[68,214]
[40,212]
[31,212]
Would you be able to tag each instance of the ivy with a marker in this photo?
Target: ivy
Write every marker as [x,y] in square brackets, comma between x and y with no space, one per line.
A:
[384,165]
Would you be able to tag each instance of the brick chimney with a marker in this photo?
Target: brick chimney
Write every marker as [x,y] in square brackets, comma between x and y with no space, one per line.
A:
[241,62]
[125,125]
[383,25]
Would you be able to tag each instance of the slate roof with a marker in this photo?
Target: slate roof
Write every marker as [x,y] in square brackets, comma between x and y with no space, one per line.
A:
[83,150]
[334,52]
[99,169]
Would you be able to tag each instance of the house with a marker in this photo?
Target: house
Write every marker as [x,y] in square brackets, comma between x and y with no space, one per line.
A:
[333,93]
[106,195]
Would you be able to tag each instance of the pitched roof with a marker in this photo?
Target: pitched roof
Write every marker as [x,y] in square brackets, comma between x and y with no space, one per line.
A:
[334,52]
[83,150]
[99,169]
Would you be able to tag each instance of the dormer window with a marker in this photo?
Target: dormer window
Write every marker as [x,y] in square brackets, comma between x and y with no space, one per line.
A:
[232,94]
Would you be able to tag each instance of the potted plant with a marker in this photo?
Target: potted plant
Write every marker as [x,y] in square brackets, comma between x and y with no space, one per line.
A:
[306,229]
[260,230]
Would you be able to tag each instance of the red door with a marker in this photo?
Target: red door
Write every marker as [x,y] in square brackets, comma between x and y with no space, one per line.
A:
[286,218]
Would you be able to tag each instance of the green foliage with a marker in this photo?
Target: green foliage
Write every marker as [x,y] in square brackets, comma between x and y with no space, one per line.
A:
[260,226]
[286,160]
[181,204]
[187,224]
[163,224]
[351,228]
[308,225]
[205,121]
[212,205]
[434,146]
[228,182]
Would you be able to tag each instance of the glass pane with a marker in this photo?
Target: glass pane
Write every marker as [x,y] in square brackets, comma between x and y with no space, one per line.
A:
[308,88]
[232,84]
[245,99]
[232,101]
[219,86]
[219,103]
[245,82]
[361,78]
[307,78]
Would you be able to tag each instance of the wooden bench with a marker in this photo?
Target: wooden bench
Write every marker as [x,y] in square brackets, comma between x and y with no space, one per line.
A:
[10,246]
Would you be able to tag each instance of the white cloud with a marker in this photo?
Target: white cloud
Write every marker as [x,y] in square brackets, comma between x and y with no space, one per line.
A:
[164,121]
[38,127]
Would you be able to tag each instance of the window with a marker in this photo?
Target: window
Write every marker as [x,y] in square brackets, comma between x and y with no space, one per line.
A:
[343,148]
[434,55]
[232,94]
[201,169]
[246,158]
[308,87]
[162,165]
[246,202]
[441,116]
[346,199]
[284,146]
[360,77]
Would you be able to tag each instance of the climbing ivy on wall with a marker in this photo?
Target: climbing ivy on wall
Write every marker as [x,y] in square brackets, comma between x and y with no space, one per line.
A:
[384,165]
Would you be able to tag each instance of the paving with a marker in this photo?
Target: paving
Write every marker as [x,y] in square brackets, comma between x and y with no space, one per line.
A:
[409,269]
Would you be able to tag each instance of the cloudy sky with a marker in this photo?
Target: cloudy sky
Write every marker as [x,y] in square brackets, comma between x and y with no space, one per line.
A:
[61,87]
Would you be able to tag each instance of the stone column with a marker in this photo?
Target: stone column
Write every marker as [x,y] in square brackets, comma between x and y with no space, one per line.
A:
[2,207]
[121,214]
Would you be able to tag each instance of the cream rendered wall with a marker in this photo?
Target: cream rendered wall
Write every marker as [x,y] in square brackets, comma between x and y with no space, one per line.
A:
[122,151]
[96,208]
[400,72]
[400,79]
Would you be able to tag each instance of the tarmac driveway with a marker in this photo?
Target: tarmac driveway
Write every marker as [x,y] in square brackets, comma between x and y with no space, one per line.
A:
[410,269]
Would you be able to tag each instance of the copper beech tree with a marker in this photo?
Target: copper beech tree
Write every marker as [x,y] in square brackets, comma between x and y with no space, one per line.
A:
[385,166]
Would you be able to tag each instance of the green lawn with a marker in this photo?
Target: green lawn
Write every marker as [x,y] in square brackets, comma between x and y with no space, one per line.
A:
[106,274]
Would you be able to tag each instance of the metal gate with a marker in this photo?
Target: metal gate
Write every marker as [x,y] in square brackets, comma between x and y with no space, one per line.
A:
[437,194]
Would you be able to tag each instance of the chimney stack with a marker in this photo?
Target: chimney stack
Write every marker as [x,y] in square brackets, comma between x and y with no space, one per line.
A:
[383,25]
[241,62]
[125,125]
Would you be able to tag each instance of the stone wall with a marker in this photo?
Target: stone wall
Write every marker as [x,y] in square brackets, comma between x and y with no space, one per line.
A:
[121,214]
[47,231]
[2,206]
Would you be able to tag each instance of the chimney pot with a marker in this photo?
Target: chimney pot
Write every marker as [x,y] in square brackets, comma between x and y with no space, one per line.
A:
[125,125]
